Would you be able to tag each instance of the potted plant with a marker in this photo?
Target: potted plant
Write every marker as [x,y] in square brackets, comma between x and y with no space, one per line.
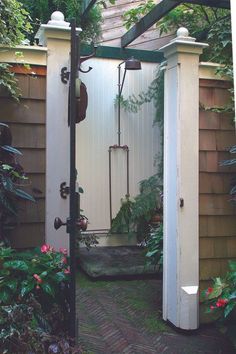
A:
[137,214]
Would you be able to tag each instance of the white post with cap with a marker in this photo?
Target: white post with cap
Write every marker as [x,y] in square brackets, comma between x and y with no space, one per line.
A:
[56,36]
[181,237]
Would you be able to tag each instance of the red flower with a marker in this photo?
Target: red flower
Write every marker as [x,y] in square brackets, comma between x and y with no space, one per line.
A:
[63,251]
[37,277]
[221,302]
[209,291]
[67,271]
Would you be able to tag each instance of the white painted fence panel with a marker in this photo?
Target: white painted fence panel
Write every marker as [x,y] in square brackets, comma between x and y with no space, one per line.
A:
[99,131]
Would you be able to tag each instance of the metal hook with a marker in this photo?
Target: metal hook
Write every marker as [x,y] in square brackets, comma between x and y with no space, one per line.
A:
[82,59]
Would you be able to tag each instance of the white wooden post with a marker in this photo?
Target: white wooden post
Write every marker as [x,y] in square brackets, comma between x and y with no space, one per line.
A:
[56,36]
[181,237]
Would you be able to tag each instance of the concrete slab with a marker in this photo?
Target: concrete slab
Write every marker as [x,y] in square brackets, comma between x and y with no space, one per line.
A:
[115,261]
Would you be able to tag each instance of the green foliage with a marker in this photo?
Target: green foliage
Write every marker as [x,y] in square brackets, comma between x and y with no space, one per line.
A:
[34,309]
[14,22]
[154,241]
[40,12]
[122,222]
[14,26]
[135,213]
[133,15]
[26,328]
[220,299]
[8,81]
[38,272]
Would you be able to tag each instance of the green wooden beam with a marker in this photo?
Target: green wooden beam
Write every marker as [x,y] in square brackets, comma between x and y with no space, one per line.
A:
[159,11]
[123,53]
[87,5]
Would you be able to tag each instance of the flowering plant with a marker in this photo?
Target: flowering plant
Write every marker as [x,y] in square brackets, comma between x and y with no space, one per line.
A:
[221,297]
[40,272]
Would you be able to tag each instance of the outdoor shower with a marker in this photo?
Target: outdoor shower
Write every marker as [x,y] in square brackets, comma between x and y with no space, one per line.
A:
[130,64]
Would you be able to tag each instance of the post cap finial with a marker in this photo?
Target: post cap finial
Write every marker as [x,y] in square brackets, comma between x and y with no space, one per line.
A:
[182,32]
[58,19]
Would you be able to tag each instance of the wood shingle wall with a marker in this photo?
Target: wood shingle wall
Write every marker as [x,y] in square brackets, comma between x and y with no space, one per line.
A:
[217,220]
[27,122]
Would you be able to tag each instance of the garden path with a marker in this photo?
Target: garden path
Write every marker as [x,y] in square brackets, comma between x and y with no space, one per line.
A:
[124,316]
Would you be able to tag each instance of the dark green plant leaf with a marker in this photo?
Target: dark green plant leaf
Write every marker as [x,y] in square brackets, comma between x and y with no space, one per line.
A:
[232,266]
[11,149]
[17,265]
[4,296]
[20,193]
[59,277]
[229,308]
[11,284]
[48,289]
[26,287]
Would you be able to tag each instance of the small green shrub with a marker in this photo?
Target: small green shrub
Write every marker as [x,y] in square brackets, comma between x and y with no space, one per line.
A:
[40,272]
[221,297]
[135,213]
[220,300]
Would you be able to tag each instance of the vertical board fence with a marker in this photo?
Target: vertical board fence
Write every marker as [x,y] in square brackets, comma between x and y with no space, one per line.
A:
[217,215]
[27,123]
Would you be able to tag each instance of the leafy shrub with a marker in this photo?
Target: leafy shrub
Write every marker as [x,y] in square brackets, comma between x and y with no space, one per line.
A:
[41,272]
[34,288]
[26,329]
[221,297]
[136,213]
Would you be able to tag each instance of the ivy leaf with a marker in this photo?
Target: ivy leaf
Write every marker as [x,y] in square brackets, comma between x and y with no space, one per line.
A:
[17,265]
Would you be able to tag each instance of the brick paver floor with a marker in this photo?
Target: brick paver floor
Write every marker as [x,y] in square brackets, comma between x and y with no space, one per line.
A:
[125,317]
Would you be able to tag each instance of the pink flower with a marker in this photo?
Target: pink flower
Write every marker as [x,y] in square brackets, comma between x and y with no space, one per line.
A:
[221,302]
[67,271]
[45,248]
[209,291]
[212,307]
[37,287]
[63,251]
[37,278]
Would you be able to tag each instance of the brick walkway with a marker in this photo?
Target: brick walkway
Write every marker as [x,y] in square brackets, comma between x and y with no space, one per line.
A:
[124,317]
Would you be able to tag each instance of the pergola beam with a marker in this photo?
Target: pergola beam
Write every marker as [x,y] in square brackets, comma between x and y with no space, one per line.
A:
[159,11]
